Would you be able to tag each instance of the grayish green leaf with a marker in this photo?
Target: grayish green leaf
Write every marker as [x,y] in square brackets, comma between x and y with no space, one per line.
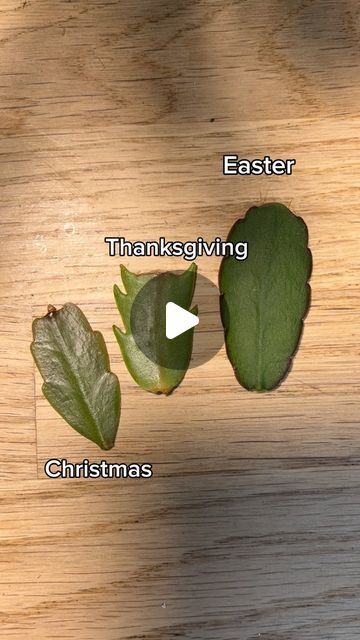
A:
[74,363]
[265,298]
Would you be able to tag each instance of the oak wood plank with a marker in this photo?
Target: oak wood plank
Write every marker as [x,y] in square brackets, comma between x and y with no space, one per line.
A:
[114,119]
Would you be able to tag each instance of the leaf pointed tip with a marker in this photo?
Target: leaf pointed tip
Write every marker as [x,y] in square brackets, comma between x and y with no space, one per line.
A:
[118,294]
[123,270]
[119,334]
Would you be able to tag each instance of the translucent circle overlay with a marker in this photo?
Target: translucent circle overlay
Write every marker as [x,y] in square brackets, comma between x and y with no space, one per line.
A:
[148,323]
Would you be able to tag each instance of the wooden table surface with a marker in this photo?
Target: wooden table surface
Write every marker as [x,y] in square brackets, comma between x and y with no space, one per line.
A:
[114,119]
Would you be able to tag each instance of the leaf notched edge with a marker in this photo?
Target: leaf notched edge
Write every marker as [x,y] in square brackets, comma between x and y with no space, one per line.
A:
[224,310]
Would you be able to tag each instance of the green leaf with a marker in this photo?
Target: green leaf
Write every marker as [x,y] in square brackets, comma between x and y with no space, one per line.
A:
[265,297]
[155,363]
[74,363]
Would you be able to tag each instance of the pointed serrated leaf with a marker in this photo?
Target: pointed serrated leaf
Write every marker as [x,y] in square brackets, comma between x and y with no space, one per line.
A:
[74,364]
[178,288]
[265,297]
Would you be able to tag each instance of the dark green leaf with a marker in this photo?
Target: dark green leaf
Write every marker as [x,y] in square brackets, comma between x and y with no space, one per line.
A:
[155,363]
[265,298]
[74,363]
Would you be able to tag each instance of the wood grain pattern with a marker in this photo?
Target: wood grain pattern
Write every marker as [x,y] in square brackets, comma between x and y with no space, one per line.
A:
[114,119]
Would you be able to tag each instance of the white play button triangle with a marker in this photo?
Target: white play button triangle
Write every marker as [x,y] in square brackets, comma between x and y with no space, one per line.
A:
[178,320]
